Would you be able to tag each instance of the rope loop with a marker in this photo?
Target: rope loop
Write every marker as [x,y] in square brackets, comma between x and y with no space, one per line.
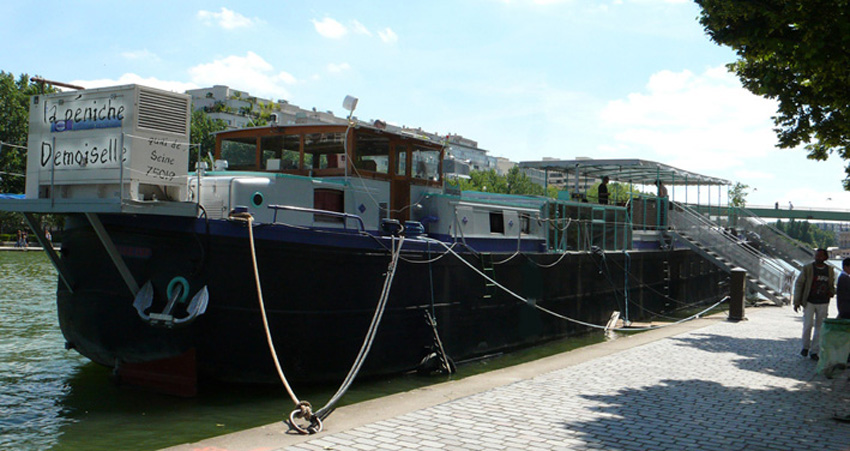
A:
[305,411]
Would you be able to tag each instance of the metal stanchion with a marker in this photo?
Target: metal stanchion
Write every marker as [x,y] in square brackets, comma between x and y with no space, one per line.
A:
[737,289]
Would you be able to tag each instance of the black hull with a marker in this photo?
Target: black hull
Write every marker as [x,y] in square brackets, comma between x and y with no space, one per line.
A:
[320,297]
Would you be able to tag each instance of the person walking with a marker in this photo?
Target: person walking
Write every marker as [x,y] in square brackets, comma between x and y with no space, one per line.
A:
[814,288]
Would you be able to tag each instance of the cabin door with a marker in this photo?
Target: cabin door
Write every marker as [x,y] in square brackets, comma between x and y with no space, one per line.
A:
[400,183]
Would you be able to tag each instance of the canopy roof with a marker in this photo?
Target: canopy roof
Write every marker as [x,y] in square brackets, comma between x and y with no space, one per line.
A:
[626,171]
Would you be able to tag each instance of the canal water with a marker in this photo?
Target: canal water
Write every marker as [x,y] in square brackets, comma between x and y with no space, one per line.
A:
[51,398]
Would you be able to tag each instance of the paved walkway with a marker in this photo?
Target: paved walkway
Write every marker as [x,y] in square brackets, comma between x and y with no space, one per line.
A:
[724,386]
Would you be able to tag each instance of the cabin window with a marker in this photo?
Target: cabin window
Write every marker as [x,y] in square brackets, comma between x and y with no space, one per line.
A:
[329,200]
[525,223]
[426,163]
[497,222]
[324,150]
[373,153]
[240,153]
[280,153]
[401,160]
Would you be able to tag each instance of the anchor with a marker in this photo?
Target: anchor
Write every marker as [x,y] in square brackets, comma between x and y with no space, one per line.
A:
[196,307]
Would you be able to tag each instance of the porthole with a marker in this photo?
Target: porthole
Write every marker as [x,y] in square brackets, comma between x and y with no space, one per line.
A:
[257,199]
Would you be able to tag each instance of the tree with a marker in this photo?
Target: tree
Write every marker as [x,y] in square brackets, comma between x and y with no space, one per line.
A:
[202,130]
[738,195]
[806,233]
[793,51]
[519,183]
[488,181]
[515,182]
[14,123]
[618,193]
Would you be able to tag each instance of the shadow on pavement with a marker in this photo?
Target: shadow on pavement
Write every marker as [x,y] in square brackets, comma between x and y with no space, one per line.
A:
[778,357]
[706,415]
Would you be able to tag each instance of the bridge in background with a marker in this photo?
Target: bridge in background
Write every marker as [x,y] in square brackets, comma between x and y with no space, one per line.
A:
[798,213]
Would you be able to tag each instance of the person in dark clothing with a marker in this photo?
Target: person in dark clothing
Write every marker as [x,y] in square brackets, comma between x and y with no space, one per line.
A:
[814,288]
[842,293]
[603,191]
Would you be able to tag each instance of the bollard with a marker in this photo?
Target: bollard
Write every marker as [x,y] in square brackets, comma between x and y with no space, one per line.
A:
[737,288]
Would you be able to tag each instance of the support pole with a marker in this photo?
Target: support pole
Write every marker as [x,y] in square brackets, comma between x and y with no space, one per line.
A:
[737,288]
[112,251]
[57,262]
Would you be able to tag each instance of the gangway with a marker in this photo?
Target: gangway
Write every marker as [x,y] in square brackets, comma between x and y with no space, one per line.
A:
[713,242]
[775,242]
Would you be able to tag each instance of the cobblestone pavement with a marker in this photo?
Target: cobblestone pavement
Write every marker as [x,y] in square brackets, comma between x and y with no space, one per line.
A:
[728,386]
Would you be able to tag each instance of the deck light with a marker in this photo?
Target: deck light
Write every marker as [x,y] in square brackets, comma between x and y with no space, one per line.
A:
[350,103]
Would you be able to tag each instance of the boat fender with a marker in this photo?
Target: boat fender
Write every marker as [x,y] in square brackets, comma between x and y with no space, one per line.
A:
[184,284]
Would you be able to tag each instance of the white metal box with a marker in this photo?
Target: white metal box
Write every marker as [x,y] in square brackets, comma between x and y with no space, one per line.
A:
[127,142]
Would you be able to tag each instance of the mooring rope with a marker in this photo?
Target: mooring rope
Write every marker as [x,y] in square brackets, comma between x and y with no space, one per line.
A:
[573,320]
[304,408]
[370,334]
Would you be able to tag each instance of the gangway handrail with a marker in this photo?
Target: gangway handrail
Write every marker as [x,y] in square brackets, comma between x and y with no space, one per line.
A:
[794,243]
[705,222]
[709,223]
[709,233]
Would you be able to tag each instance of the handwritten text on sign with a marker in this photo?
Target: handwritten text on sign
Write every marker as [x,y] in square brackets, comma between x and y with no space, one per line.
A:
[80,153]
[160,159]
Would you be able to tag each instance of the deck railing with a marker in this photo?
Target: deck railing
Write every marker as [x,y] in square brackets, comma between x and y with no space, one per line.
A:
[580,226]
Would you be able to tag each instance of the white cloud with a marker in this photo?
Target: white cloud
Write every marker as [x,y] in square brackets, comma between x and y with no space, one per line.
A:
[359,28]
[128,78]
[249,73]
[227,19]
[538,2]
[388,36]
[330,28]
[698,122]
[141,55]
[336,68]
[749,174]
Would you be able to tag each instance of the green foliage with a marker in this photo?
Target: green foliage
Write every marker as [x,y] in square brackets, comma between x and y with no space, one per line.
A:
[515,182]
[11,222]
[14,123]
[738,195]
[794,51]
[807,233]
[202,129]
[618,193]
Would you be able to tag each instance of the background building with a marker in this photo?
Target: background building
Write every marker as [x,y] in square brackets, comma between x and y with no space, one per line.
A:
[239,109]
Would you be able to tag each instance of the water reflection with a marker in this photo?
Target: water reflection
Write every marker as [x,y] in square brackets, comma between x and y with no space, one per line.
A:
[34,367]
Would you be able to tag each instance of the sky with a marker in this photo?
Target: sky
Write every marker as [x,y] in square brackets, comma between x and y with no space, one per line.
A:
[526,79]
